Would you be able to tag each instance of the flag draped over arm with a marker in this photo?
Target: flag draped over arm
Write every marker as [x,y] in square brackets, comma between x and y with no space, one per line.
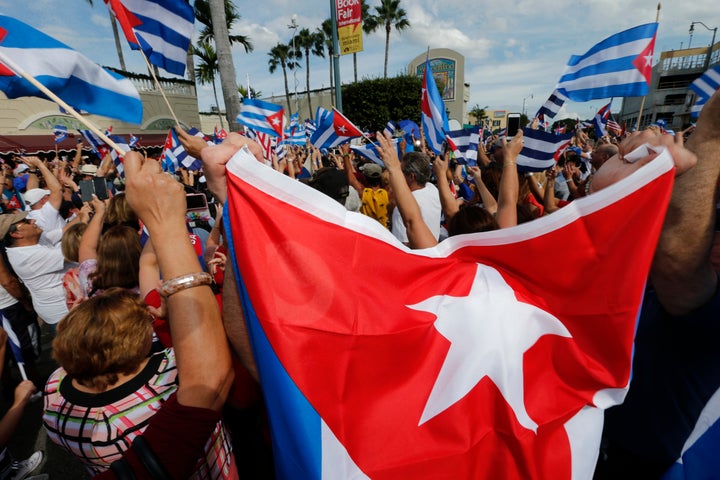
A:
[162,29]
[71,76]
[462,361]
[619,66]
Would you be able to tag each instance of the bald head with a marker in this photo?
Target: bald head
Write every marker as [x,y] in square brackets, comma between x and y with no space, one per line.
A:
[602,153]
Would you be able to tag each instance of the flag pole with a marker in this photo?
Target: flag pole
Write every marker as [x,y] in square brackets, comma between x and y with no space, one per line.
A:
[19,71]
[157,82]
[642,103]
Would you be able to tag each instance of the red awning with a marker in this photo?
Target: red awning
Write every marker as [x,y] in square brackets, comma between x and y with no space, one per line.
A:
[35,144]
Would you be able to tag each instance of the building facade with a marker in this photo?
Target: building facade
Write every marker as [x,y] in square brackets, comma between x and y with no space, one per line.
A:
[670,97]
[448,68]
[26,123]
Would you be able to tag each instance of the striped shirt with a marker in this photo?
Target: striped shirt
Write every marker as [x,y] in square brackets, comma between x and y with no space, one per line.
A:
[98,428]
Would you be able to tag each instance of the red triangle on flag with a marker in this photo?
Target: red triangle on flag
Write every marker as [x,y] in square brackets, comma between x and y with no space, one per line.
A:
[276,122]
[4,71]
[344,127]
[643,62]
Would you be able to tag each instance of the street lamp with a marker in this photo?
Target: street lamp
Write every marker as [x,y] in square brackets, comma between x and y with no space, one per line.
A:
[525,98]
[294,26]
[712,42]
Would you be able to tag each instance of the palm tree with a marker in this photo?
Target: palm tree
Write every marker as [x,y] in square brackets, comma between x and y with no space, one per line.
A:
[390,15]
[281,56]
[116,35]
[243,91]
[225,62]
[207,69]
[326,31]
[202,15]
[306,43]
[479,113]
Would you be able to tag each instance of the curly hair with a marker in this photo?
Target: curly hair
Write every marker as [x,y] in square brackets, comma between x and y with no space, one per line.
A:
[105,336]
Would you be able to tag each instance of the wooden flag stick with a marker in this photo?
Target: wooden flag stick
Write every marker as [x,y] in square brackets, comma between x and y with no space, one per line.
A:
[19,71]
[157,82]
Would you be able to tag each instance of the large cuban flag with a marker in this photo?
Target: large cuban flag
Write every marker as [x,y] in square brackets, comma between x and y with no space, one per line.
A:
[71,76]
[477,358]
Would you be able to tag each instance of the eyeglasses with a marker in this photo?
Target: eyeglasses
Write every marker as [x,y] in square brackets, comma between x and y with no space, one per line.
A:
[14,227]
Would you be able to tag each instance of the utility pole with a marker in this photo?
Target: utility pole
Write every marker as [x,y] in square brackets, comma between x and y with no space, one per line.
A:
[336,56]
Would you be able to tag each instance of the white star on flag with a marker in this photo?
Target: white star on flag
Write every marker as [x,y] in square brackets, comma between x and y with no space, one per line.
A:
[342,129]
[489,331]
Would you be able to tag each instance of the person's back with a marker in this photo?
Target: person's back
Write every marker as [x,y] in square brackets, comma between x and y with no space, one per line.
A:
[375,204]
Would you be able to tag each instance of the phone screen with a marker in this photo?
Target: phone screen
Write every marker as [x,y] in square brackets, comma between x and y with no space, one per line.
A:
[513,124]
[86,190]
[100,187]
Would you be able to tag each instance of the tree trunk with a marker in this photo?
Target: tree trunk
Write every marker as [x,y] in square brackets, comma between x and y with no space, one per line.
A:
[307,82]
[228,80]
[387,47]
[216,103]
[118,45]
[287,93]
[190,66]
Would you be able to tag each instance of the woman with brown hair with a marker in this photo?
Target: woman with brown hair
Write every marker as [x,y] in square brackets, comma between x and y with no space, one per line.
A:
[110,259]
[115,390]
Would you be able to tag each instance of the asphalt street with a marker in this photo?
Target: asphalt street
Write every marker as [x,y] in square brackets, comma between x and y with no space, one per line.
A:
[30,435]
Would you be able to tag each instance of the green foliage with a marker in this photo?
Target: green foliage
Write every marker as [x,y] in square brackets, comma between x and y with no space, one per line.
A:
[370,103]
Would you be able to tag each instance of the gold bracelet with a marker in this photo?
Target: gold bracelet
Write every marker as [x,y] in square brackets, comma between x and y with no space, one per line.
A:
[509,164]
[183,282]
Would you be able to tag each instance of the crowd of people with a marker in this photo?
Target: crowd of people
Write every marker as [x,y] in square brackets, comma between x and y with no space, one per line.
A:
[154,381]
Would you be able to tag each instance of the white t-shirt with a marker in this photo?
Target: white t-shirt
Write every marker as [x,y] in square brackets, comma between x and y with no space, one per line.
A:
[6,300]
[41,269]
[428,198]
[51,223]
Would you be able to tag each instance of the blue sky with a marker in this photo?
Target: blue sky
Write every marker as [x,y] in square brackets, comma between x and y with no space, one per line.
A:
[513,50]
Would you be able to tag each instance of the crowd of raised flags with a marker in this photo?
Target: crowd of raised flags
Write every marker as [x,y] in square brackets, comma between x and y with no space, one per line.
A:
[618,66]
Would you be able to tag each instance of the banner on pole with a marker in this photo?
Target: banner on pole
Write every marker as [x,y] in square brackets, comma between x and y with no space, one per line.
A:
[349,23]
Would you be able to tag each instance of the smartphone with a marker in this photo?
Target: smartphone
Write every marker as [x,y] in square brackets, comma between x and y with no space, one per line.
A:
[101,189]
[95,186]
[513,124]
[87,188]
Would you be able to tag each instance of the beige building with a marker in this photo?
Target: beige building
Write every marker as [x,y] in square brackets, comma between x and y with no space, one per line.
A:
[448,67]
[27,123]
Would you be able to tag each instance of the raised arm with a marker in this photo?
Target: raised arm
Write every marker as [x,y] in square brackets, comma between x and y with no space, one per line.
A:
[509,186]
[419,235]
[203,358]
[488,200]
[90,239]
[447,199]
[51,181]
[681,271]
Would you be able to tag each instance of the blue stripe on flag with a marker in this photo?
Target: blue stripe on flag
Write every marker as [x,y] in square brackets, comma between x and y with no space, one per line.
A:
[294,423]
[539,149]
